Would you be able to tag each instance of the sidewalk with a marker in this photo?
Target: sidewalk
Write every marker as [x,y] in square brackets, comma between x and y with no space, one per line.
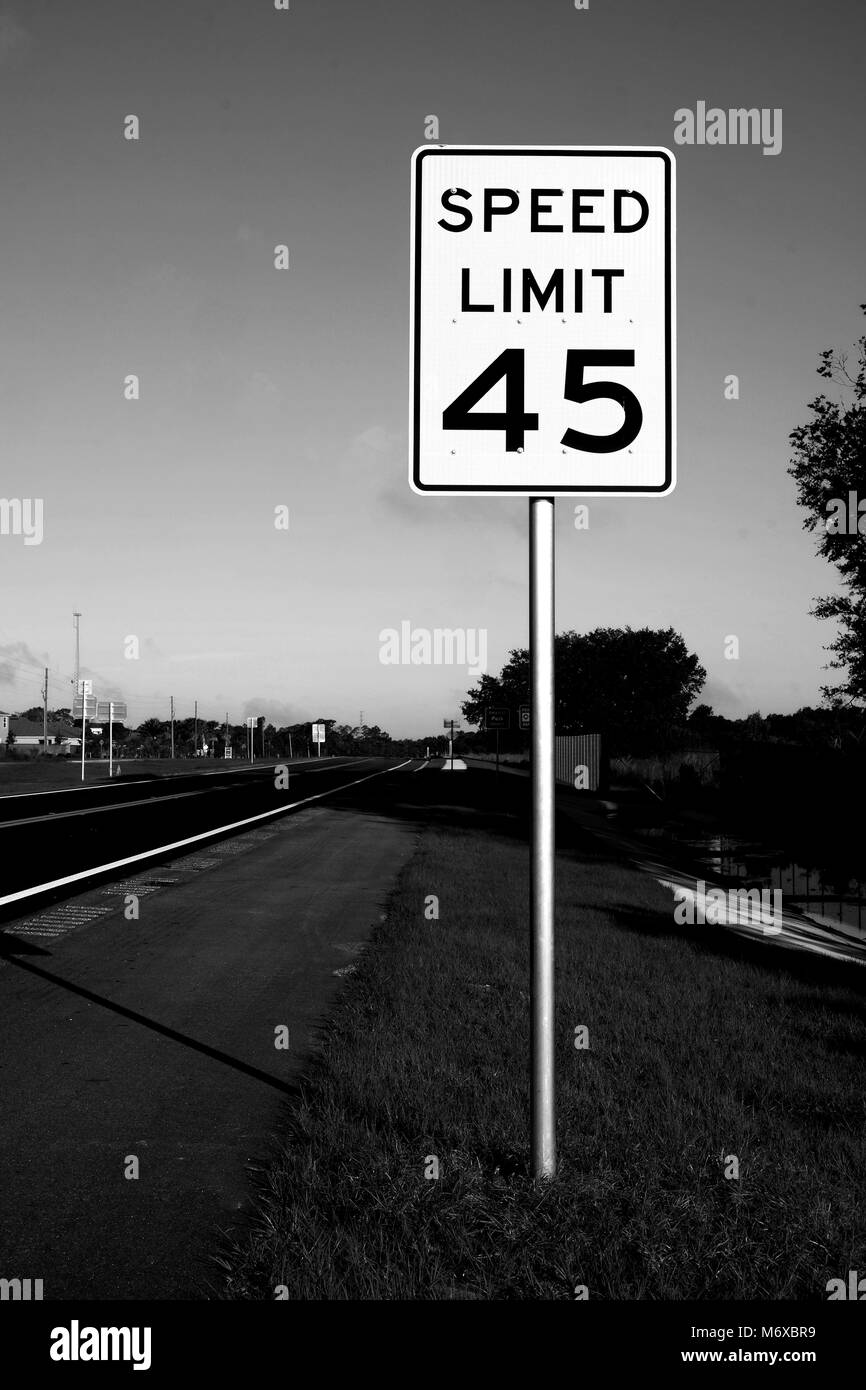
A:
[155,1039]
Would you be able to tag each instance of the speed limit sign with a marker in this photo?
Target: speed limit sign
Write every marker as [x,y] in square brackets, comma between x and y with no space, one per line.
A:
[542,333]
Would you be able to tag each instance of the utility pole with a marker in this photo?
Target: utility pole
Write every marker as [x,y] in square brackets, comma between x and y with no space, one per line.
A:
[45,713]
[195,738]
[172,725]
[227,734]
[75,618]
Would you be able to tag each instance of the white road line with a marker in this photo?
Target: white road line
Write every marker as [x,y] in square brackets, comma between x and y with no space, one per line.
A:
[132,803]
[141,778]
[190,840]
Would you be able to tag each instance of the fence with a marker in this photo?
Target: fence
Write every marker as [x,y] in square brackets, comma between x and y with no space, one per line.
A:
[575,751]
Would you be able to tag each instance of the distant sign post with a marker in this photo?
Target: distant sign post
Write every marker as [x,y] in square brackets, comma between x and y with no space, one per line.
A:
[524,718]
[84,704]
[451,725]
[497,717]
[542,332]
[318,737]
[111,710]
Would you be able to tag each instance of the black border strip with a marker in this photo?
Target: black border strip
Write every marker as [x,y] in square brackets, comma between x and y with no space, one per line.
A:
[540,488]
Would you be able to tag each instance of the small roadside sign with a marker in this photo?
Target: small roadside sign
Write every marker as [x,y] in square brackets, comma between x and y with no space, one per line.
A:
[86,703]
[318,735]
[497,717]
[524,718]
[110,709]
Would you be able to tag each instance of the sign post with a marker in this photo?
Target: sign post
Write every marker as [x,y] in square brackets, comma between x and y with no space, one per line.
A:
[497,717]
[543,352]
[87,702]
[543,850]
[449,724]
[111,710]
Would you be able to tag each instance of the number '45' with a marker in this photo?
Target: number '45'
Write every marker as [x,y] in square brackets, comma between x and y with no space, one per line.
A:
[514,420]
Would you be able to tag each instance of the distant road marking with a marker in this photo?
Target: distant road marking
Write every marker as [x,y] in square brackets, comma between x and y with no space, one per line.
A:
[142,778]
[190,840]
[134,803]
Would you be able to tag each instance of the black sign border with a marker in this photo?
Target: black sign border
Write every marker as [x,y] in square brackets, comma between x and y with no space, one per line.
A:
[542,489]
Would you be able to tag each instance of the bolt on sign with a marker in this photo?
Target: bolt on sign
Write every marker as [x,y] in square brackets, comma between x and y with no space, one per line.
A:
[542,321]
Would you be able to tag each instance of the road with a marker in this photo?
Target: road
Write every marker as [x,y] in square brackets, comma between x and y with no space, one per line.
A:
[148,1042]
[101,828]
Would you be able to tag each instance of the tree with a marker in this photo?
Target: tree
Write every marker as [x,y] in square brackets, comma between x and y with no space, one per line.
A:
[154,737]
[829,468]
[633,685]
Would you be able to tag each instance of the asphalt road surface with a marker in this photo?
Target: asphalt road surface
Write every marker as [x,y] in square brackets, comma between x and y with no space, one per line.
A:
[154,1038]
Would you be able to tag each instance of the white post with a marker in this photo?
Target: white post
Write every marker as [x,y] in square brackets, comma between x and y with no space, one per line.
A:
[541,647]
[111,738]
[83,727]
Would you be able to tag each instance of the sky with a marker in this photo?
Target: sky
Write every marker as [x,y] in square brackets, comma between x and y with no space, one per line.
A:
[262,388]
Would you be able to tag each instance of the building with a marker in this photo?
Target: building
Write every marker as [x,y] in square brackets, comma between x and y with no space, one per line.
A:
[28,733]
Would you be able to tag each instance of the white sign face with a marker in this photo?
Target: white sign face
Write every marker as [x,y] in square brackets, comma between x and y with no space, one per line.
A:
[110,709]
[318,733]
[543,321]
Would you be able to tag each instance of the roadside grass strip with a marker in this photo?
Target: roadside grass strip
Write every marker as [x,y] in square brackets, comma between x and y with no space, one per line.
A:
[703,1048]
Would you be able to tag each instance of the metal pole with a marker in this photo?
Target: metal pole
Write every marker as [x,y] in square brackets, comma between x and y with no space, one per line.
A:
[541,632]
[111,738]
[172,725]
[45,715]
[195,736]
[83,726]
[75,617]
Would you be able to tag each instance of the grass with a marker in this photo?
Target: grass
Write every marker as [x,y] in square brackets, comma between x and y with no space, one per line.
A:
[28,774]
[702,1045]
